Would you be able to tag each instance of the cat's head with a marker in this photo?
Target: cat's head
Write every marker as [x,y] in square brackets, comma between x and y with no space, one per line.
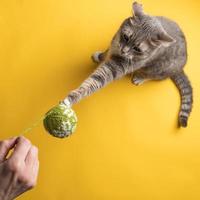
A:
[140,35]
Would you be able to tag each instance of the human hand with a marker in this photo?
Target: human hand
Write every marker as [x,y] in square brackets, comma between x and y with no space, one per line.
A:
[18,172]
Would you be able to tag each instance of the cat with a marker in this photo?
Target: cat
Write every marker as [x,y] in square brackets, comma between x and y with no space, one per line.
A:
[149,48]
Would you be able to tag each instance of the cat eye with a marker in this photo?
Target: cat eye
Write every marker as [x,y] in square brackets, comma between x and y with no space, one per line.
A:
[125,37]
[137,49]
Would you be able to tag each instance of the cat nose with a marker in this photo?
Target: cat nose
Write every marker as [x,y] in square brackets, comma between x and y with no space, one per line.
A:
[125,49]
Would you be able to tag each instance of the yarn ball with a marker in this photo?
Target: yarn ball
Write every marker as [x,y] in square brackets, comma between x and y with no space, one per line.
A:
[60,121]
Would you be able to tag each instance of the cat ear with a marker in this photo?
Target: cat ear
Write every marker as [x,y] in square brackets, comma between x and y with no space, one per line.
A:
[164,39]
[137,9]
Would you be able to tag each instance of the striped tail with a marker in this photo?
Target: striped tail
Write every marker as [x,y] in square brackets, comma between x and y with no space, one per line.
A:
[183,84]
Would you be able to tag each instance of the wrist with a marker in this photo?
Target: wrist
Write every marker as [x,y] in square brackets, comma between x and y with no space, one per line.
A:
[4,197]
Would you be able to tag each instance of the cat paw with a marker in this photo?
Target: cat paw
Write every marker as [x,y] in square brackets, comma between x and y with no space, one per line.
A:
[96,57]
[137,80]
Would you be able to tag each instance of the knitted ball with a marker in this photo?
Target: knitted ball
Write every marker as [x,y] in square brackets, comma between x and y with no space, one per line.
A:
[60,121]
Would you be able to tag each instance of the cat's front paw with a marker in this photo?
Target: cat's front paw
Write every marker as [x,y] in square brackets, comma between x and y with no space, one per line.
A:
[137,80]
[96,57]
[73,97]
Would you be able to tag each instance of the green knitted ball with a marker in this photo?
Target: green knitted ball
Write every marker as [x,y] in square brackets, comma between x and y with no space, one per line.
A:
[60,121]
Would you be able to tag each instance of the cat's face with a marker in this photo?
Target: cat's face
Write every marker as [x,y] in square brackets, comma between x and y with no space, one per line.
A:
[140,35]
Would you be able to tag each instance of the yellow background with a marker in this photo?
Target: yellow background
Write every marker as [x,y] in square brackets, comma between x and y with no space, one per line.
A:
[127,145]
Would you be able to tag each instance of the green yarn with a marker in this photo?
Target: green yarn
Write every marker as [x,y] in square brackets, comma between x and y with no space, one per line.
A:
[60,121]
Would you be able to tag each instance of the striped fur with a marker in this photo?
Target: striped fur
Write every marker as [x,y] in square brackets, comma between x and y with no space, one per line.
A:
[186,93]
[104,74]
[150,47]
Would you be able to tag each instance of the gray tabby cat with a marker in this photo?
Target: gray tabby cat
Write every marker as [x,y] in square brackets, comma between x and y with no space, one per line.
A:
[149,47]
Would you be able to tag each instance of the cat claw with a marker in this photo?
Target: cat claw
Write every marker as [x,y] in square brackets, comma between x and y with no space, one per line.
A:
[95,56]
[138,81]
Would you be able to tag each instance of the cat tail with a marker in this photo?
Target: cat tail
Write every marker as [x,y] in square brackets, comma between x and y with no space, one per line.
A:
[186,92]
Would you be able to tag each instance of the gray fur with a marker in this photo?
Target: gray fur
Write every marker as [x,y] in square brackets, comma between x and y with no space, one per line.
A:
[149,47]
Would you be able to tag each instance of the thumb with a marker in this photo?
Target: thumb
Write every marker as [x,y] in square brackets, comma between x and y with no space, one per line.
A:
[5,147]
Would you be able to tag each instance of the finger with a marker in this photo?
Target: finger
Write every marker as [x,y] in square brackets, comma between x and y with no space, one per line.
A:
[32,156]
[5,147]
[35,171]
[34,174]
[21,149]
